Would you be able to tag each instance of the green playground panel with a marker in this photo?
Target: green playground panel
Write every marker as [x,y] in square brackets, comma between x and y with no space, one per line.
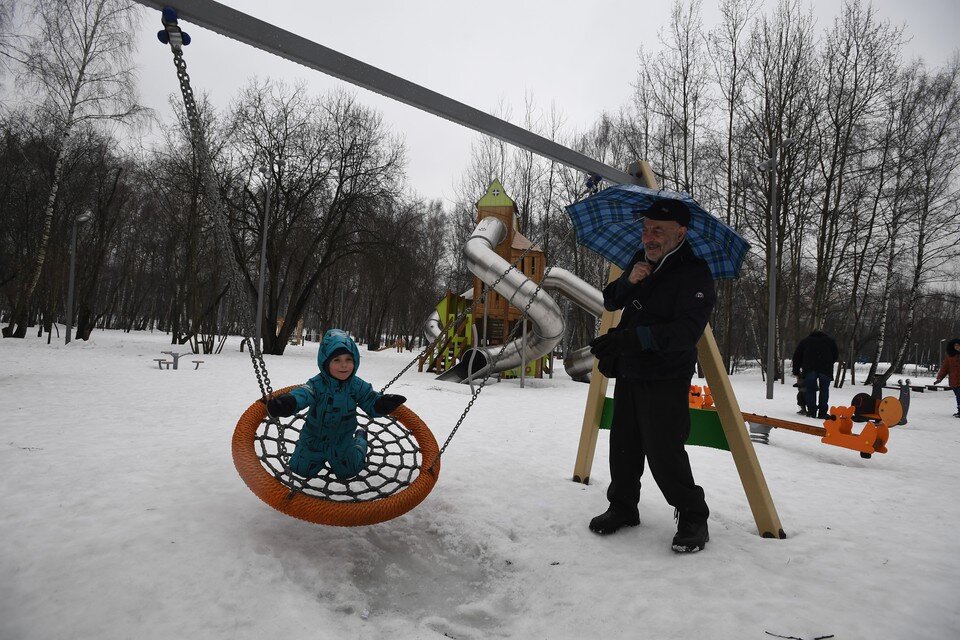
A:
[531,369]
[705,427]
[447,315]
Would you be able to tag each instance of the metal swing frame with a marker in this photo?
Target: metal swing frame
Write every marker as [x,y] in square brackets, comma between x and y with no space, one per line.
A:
[268,37]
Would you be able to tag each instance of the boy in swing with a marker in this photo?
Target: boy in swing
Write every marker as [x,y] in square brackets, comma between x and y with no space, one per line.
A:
[331,434]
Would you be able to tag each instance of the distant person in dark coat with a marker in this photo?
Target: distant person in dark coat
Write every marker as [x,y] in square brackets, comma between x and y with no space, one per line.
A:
[666,293]
[813,363]
[950,369]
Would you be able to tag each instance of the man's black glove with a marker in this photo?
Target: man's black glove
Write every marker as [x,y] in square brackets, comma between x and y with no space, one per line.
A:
[387,403]
[608,366]
[282,406]
[614,342]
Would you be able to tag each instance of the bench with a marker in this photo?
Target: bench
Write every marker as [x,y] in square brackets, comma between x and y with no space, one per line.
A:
[197,363]
[160,362]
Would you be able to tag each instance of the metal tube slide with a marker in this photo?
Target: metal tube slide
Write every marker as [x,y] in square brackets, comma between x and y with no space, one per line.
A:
[432,328]
[578,363]
[484,262]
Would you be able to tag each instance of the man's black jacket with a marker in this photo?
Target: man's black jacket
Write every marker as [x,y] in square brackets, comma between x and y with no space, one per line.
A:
[668,310]
[817,352]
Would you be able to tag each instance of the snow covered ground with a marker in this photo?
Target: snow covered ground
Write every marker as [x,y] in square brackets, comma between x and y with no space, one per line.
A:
[121,516]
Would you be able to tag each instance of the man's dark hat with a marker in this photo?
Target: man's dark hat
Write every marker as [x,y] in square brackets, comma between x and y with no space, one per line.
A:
[666,209]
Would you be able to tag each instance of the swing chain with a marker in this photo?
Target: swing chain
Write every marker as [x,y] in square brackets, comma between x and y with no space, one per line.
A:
[199,143]
[503,348]
[460,315]
[497,357]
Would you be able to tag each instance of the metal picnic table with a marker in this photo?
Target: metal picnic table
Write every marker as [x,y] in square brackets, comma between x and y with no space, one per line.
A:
[175,356]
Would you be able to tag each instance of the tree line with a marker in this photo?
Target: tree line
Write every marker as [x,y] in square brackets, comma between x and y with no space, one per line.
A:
[864,224]
[311,185]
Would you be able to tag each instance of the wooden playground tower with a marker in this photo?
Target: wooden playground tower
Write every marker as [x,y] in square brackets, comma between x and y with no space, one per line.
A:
[494,317]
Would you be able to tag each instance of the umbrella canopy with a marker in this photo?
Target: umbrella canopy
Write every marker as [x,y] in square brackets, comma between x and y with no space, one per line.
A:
[610,222]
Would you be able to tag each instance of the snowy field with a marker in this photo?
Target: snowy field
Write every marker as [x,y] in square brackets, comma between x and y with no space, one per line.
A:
[123,517]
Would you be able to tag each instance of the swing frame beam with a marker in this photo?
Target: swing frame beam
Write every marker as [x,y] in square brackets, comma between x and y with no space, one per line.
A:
[272,39]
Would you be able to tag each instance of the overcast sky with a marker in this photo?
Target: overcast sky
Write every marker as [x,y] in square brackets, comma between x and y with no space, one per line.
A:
[579,55]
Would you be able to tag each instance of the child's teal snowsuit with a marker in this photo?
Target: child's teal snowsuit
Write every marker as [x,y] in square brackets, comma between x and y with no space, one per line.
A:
[330,434]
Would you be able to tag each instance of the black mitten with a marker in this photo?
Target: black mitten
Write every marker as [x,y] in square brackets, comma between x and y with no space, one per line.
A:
[282,406]
[387,403]
[603,345]
[615,342]
[608,366]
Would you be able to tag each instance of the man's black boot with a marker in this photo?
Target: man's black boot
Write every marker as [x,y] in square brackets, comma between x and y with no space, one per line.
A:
[612,521]
[692,535]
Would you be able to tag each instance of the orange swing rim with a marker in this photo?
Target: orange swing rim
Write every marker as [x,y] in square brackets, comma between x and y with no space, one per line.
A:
[332,512]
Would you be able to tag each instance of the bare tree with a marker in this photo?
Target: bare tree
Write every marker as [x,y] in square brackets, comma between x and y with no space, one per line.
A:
[526,170]
[551,211]
[857,67]
[639,122]
[6,15]
[680,78]
[335,164]
[76,55]
[726,47]
[779,105]
[931,226]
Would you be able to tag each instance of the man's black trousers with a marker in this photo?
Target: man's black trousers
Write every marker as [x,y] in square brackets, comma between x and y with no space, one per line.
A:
[651,420]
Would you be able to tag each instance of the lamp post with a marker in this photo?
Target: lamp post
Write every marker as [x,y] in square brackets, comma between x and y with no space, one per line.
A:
[265,171]
[916,359]
[770,164]
[80,219]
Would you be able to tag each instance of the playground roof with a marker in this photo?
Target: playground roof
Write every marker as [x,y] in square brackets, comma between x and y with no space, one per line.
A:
[496,196]
[520,242]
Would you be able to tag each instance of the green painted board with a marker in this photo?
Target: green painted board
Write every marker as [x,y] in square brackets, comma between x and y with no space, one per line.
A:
[705,428]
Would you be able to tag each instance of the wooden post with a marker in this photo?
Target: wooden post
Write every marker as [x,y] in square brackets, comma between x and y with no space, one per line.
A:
[741,447]
[731,419]
[597,393]
[596,396]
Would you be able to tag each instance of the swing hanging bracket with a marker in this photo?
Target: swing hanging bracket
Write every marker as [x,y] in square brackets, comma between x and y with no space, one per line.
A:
[171,33]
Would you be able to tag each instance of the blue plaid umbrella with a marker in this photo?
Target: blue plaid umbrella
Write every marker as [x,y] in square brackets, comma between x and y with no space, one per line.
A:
[610,222]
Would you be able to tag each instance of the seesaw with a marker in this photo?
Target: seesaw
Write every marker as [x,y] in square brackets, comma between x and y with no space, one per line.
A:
[837,429]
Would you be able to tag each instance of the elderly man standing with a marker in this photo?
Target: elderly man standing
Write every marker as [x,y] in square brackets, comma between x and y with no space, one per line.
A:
[667,295]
